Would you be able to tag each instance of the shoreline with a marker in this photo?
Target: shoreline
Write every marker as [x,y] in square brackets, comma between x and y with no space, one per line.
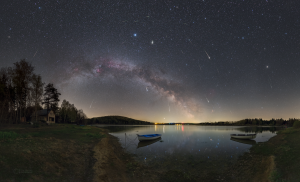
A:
[113,163]
[255,165]
[64,152]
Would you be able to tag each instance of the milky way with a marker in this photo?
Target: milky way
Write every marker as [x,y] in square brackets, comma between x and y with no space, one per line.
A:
[157,80]
[162,61]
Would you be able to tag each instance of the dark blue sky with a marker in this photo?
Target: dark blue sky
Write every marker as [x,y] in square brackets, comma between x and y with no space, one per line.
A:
[162,61]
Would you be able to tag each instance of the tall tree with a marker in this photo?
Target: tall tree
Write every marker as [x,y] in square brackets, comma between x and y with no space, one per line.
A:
[21,77]
[37,91]
[51,97]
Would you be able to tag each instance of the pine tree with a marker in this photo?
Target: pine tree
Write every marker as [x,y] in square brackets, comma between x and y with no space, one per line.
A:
[51,97]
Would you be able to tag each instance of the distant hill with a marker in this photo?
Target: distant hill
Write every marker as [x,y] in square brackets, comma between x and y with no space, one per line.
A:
[120,120]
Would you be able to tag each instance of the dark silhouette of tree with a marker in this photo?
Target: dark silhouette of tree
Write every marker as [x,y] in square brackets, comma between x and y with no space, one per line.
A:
[21,77]
[51,97]
[37,91]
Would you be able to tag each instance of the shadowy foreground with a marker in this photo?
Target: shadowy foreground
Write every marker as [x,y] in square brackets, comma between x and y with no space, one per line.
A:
[277,160]
[65,153]
[85,153]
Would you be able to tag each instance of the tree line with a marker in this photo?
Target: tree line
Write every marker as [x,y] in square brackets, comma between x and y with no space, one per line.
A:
[22,94]
[255,121]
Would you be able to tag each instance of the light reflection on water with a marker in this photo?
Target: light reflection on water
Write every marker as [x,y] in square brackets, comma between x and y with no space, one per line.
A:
[186,146]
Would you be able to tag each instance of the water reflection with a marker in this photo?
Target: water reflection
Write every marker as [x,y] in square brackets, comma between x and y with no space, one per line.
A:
[249,142]
[197,149]
[147,142]
[251,129]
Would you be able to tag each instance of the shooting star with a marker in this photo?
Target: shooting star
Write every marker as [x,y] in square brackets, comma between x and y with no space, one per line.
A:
[35,53]
[270,82]
[147,89]
[207,55]
[207,99]
[91,104]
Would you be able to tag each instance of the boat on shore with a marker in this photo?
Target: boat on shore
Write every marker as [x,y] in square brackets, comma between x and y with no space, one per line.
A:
[148,137]
[243,136]
[147,142]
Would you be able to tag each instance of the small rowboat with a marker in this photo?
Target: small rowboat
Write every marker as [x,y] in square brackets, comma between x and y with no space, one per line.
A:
[243,136]
[148,137]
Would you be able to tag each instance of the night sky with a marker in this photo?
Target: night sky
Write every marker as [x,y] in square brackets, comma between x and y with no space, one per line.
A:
[162,61]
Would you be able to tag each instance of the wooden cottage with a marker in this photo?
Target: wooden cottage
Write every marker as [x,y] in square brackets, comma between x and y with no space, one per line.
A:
[44,115]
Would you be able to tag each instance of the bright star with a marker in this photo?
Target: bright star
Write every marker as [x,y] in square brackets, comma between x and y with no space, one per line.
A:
[152,42]
[134,34]
[267,66]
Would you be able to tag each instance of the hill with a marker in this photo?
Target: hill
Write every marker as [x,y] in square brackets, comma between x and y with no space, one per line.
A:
[119,120]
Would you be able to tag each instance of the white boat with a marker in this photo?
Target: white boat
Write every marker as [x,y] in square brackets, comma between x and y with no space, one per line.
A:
[243,136]
[148,137]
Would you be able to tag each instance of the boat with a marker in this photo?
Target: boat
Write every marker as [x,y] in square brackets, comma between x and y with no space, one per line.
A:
[147,142]
[243,136]
[148,137]
[249,142]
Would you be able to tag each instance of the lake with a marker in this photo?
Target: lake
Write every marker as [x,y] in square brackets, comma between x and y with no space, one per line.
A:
[197,150]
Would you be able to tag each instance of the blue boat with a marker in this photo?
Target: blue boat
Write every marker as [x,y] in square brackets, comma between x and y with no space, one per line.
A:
[148,137]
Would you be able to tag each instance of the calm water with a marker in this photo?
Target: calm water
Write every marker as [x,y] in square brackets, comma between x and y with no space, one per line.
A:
[183,147]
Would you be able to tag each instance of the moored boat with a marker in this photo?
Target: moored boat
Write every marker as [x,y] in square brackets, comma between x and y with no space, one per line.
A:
[243,136]
[148,137]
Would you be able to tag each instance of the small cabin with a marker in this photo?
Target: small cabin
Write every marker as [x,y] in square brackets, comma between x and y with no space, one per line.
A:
[44,115]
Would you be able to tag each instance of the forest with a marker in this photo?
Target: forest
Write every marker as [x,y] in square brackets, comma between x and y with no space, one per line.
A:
[23,93]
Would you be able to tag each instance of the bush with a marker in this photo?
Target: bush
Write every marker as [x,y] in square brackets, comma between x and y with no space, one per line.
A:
[296,124]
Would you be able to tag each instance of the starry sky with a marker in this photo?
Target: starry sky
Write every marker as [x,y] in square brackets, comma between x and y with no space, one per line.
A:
[162,60]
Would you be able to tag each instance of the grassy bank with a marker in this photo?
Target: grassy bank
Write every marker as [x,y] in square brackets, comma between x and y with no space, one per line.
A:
[285,148]
[47,153]
[277,160]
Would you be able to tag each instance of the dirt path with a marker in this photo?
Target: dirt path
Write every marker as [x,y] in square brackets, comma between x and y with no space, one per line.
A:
[113,164]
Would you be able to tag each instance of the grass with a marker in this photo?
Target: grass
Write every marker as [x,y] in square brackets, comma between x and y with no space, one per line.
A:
[8,135]
[285,147]
[47,153]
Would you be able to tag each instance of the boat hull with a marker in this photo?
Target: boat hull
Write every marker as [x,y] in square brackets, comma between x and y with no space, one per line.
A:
[243,136]
[148,137]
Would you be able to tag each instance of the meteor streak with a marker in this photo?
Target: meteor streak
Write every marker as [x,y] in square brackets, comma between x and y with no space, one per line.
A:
[207,55]
[207,99]
[35,53]
[91,104]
